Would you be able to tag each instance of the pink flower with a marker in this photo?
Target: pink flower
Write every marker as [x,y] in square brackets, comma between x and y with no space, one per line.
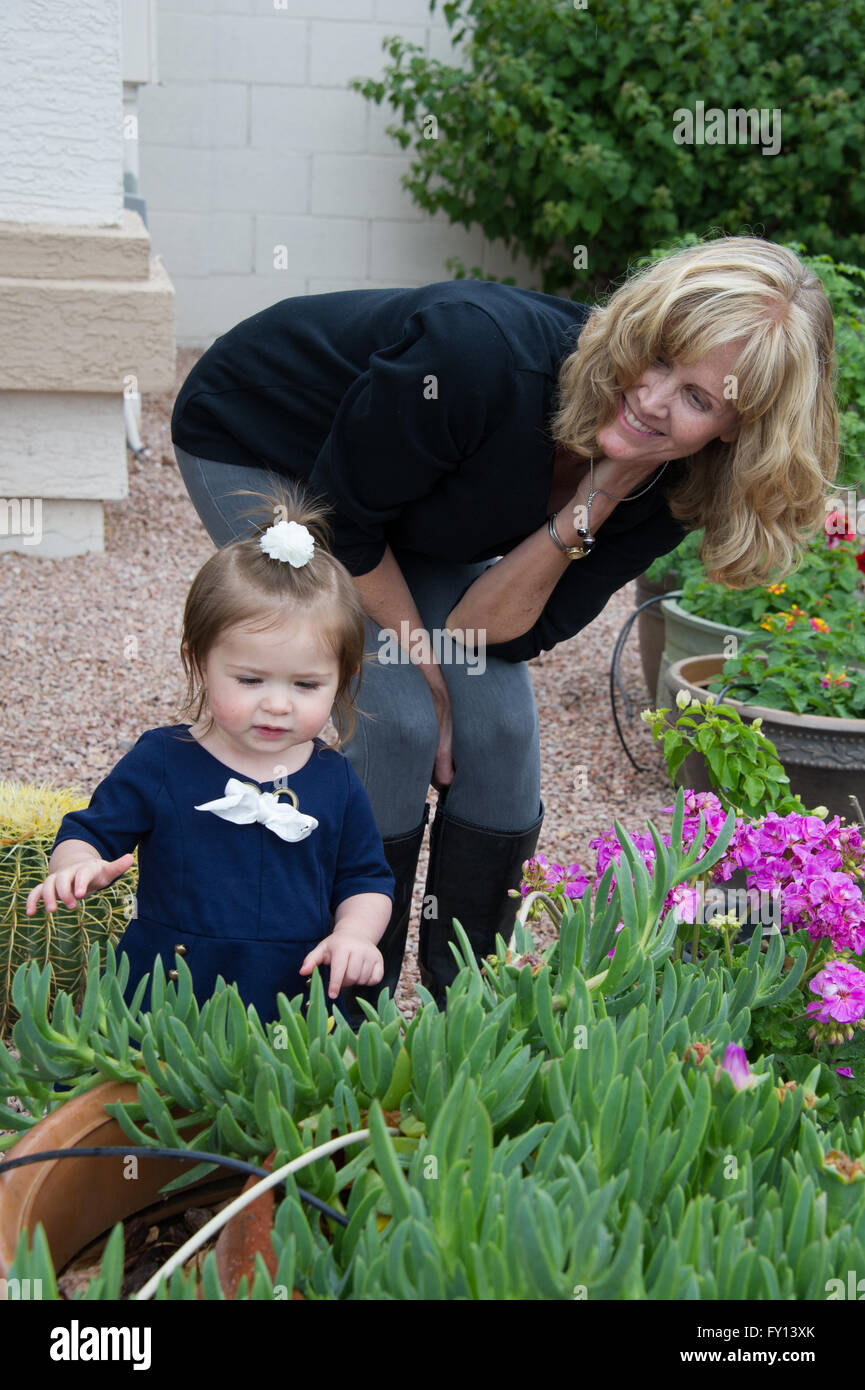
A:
[844,1071]
[842,990]
[735,1064]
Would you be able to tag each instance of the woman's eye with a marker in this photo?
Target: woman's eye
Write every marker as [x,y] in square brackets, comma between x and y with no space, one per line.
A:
[698,401]
[308,685]
[248,680]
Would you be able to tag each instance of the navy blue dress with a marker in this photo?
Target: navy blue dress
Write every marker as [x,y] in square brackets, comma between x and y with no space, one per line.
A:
[245,903]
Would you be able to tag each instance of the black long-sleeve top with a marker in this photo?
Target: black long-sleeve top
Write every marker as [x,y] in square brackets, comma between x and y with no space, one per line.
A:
[423,416]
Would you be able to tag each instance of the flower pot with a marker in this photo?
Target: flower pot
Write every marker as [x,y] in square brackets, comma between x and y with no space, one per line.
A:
[650,626]
[823,757]
[78,1200]
[687,635]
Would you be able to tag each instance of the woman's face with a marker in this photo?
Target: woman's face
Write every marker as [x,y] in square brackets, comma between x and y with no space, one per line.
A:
[673,410]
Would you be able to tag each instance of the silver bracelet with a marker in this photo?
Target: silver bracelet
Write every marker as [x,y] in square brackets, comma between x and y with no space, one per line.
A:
[573,552]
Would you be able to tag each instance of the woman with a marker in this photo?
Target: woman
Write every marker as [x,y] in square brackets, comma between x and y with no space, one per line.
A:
[500,462]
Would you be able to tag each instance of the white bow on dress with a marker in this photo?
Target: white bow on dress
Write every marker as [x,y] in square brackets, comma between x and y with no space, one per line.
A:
[244,804]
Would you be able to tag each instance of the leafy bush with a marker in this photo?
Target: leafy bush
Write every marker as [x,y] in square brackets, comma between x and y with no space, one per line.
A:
[575,1126]
[559,129]
[742,763]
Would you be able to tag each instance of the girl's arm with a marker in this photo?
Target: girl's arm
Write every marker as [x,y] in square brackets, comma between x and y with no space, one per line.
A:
[71,852]
[365,914]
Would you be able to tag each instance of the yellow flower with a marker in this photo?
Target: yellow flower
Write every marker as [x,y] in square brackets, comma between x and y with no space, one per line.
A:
[777,588]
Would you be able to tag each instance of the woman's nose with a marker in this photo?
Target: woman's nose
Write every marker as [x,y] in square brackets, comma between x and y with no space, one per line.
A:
[653,393]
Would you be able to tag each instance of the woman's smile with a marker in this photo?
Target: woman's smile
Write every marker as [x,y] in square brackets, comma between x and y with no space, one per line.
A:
[632,420]
[689,402]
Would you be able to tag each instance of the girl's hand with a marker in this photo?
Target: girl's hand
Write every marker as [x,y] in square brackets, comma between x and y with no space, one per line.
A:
[68,885]
[353,960]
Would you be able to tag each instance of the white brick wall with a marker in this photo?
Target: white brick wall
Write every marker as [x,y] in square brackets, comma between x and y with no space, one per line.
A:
[253,141]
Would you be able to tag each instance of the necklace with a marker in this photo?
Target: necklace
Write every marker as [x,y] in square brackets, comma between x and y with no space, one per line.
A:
[585,532]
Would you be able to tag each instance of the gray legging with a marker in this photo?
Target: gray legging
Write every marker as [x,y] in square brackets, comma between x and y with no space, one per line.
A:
[496,753]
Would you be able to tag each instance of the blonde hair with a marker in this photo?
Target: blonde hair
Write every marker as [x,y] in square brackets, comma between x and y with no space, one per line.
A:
[761,497]
[241,584]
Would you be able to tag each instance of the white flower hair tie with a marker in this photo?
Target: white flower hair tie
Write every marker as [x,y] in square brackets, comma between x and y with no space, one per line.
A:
[290,541]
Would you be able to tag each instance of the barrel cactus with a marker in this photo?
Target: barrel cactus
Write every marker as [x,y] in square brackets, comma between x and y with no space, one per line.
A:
[30,816]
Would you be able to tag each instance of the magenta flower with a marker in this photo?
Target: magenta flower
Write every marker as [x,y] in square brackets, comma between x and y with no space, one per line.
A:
[735,1064]
[845,1071]
[841,987]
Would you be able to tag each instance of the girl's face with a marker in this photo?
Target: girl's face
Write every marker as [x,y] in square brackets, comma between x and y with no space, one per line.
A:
[269,691]
[673,410]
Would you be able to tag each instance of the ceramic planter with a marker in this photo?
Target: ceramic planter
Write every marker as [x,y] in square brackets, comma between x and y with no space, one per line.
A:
[650,626]
[78,1200]
[823,757]
[687,635]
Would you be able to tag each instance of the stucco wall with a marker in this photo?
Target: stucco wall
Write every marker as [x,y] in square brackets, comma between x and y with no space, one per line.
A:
[60,112]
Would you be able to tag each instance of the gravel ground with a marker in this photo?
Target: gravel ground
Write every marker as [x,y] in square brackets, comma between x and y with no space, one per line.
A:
[91,659]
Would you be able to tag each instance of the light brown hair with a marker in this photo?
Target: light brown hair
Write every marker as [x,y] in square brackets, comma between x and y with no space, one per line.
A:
[241,584]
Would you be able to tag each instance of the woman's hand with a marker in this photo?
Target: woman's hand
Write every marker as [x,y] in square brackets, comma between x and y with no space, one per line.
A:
[352,957]
[443,767]
[76,881]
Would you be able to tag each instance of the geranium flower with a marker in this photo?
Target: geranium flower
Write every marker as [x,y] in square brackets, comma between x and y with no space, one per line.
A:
[842,990]
[837,528]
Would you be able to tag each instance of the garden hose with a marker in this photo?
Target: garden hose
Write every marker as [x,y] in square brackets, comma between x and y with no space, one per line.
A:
[244,1200]
[615,678]
[113,1150]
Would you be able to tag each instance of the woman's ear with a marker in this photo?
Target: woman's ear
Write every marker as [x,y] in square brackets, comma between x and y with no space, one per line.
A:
[731,435]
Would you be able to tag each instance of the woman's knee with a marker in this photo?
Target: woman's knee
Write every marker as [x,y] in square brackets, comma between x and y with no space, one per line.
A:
[406,734]
[495,715]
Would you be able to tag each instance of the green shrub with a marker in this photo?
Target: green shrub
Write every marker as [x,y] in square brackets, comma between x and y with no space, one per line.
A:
[558,131]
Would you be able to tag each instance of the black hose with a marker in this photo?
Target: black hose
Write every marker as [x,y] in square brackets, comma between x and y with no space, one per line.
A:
[239,1165]
[615,678]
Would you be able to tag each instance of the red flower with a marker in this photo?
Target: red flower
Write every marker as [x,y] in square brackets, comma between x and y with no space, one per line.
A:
[860,561]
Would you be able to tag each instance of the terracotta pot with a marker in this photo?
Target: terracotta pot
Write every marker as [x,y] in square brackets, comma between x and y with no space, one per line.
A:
[246,1235]
[823,757]
[650,626]
[78,1200]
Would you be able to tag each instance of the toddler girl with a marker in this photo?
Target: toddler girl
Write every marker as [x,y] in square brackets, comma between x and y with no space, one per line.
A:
[258,854]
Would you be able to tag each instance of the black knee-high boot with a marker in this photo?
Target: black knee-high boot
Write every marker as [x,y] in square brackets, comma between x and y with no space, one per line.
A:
[470,872]
[401,852]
